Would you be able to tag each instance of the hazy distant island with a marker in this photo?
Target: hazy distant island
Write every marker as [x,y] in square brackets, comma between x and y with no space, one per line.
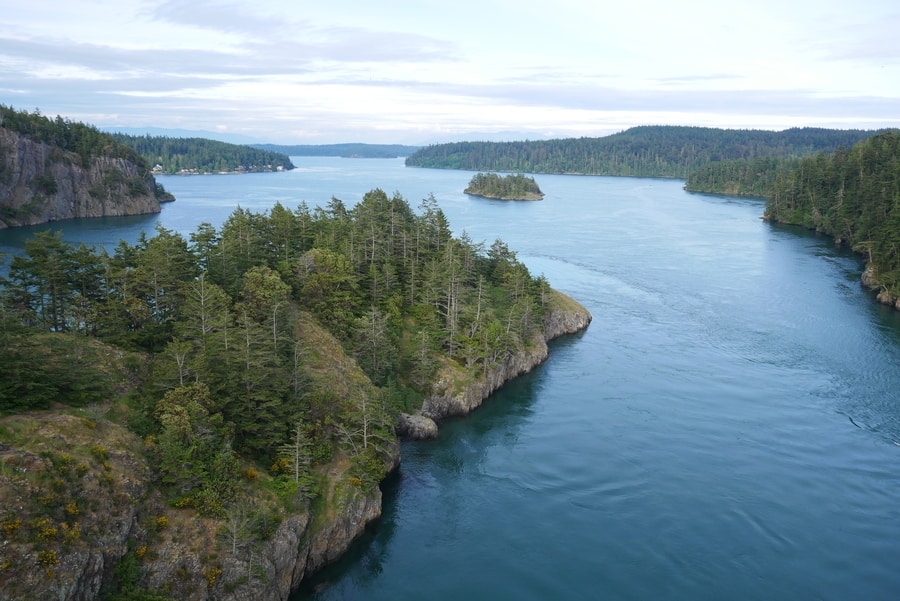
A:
[509,187]
[352,150]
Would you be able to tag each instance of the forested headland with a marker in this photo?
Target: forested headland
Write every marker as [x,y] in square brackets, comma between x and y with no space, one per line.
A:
[85,140]
[201,155]
[647,151]
[233,394]
[509,187]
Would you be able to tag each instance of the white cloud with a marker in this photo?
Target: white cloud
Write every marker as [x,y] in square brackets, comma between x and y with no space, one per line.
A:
[418,71]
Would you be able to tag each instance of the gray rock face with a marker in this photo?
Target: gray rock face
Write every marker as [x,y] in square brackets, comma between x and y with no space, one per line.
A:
[450,398]
[333,540]
[41,183]
[559,322]
[272,571]
[416,427]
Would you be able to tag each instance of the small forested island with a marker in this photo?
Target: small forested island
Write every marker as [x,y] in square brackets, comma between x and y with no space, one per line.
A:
[209,416]
[509,187]
[190,156]
[53,169]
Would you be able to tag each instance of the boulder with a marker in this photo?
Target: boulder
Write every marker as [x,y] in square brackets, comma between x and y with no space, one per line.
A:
[416,427]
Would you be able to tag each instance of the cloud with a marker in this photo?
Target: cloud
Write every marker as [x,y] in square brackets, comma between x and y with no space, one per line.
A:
[284,71]
[280,39]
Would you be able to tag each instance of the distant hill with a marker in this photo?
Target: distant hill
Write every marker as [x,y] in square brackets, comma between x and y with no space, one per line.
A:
[647,151]
[201,155]
[350,150]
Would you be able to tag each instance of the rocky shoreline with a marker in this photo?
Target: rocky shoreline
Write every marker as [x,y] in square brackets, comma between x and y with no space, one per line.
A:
[870,280]
[456,392]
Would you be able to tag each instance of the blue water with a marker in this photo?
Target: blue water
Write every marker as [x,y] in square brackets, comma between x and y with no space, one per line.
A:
[727,428]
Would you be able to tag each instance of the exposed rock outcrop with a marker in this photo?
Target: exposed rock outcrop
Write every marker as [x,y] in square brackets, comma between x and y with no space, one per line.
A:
[41,183]
[191,561]
[457,391]
[870,280]
[416,427]
[330,542]
[564,316]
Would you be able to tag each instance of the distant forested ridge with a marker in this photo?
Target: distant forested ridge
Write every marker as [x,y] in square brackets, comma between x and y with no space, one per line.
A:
[509,187]
[350,150]
[854,196]
[201,155]
[647,151]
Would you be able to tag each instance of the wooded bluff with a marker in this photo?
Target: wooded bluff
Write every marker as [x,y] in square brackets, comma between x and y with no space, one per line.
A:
[57,169]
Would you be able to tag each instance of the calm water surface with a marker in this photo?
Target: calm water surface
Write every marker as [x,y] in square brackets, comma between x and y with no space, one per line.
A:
[727,428]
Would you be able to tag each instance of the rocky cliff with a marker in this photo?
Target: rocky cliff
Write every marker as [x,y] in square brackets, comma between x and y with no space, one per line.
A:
[40,183]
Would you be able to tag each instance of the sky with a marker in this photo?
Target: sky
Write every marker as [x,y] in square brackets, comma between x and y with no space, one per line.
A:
[422,72]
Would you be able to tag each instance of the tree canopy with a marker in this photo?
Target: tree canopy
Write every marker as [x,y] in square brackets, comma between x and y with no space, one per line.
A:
[852,195]
[221,317]
[741,177]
